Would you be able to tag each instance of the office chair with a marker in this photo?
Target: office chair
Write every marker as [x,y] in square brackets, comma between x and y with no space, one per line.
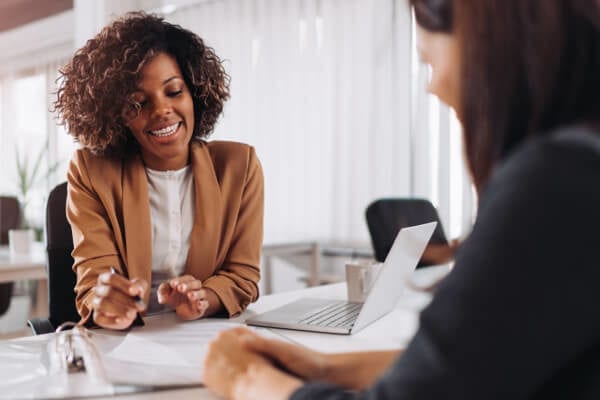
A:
[10,218]
[61,278]
[385,217]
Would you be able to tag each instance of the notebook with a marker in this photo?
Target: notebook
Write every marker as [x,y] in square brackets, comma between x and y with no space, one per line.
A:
[343,317]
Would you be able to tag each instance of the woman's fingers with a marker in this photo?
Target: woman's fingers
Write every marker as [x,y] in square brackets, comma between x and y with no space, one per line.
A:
[180,283]
[195,295]
[191,288]
[201,307]
[113,302]
[110,321]
[118,282]
[164,293]
[139,287]
[116,300]
[112,314]
[188,297]
[300,361]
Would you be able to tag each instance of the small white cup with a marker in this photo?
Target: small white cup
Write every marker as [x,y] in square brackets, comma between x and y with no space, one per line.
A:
[360,276]
[19,241]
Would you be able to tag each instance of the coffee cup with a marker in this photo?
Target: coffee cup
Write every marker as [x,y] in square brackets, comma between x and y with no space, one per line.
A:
[360,276]
[19,241]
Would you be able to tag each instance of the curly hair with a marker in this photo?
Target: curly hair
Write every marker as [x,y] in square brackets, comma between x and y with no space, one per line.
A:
[96,85]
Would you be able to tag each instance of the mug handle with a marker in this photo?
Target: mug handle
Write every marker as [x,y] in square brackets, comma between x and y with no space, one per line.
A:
[363,281]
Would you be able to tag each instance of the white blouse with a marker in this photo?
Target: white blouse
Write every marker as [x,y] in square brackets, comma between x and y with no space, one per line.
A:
[172,217]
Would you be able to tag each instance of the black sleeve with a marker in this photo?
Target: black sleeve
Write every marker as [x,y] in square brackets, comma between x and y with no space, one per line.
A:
[521,300]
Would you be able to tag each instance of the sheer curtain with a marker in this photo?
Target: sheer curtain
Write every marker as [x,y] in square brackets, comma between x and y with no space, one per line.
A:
[330,92]
[321,88]
[438,169]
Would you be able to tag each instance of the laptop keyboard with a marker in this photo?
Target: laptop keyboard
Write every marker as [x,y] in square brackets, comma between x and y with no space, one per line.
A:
[342,315]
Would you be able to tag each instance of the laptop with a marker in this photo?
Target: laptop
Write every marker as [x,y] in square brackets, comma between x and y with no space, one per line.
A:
[343,317]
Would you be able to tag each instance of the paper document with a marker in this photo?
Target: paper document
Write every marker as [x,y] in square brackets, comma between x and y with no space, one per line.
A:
[166,352]
[162,355]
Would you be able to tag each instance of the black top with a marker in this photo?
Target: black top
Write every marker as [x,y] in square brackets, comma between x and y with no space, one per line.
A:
[518,317]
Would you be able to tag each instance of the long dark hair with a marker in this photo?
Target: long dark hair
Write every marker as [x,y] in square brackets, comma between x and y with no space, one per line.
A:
[528,67]
[433,15]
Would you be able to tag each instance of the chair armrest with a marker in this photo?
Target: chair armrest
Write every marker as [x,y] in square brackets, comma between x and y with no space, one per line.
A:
[40,326]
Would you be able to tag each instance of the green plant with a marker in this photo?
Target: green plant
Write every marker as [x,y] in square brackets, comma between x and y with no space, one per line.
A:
[29,176]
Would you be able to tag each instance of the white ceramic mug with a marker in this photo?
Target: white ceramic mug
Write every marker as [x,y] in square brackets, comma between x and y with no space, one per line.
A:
[360,276]
[19,240]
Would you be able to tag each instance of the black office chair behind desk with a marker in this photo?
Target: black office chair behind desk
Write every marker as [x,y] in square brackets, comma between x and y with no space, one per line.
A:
[10,218]
[385,217]
[61,278]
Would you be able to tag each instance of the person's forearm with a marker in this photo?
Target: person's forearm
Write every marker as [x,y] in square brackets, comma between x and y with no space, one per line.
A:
[357,370]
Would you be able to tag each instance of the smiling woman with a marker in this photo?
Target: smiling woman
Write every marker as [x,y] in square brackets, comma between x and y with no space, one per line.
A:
[163,121]
[178,218]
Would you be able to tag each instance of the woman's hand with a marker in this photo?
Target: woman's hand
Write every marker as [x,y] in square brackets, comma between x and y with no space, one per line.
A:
[355,371]
[300,361]
[189,299]
[234,371]
[440,253]
[114,301]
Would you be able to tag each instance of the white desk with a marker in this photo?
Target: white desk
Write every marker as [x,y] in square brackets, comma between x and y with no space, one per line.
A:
[390,332]
[27,266]
[23,266]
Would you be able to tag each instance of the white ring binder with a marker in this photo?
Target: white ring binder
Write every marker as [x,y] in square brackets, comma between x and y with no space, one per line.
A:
[75,351]
[65,349]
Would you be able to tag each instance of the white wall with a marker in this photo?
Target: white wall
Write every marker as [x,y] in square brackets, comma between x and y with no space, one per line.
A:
[328,91]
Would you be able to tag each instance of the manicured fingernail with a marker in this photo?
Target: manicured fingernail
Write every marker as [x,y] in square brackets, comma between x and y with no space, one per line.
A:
[101,290]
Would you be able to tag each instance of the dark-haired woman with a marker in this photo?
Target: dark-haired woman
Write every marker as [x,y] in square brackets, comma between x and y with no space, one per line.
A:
[516,318]
[157,212]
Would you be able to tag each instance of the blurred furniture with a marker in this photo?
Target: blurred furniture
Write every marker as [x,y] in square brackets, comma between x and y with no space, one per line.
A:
[385,217]
[26,266]
[10,218]
[315,250]
[61,278]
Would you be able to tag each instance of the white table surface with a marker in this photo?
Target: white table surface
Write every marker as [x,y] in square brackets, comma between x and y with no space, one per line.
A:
[390,332]
[15,267]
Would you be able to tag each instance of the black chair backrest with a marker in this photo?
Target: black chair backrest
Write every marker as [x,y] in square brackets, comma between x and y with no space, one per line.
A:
[10,218]
[61,278]
[385,218]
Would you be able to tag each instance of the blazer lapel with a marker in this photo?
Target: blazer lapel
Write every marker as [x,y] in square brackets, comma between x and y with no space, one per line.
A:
[208,215]
[136,221]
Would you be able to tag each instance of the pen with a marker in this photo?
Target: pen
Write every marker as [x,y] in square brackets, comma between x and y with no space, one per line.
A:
[138,300]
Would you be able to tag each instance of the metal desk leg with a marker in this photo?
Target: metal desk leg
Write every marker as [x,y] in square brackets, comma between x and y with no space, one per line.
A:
[315,264]
[267,274]
[40,308]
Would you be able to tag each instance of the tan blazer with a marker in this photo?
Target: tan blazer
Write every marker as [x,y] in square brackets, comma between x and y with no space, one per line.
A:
[109,211]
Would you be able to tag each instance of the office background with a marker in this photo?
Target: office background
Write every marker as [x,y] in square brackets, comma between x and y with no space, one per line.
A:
[330,92]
